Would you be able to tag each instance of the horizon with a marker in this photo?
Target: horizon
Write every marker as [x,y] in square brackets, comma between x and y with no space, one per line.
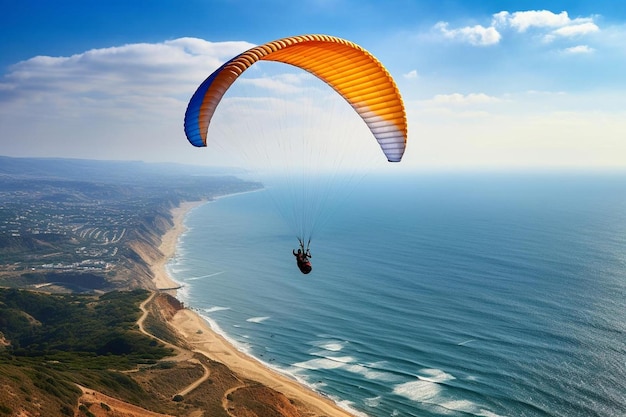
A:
[239,171]
[529,86]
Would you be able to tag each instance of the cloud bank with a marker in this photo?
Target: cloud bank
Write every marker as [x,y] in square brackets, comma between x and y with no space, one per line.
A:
[550,25]
[128,101]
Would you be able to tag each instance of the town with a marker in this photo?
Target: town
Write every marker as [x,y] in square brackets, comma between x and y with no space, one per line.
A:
[53,228]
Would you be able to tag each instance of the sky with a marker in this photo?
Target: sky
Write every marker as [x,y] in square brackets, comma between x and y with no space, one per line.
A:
[486,84]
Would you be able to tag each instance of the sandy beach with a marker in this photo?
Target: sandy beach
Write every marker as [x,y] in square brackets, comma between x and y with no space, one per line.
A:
[169,241]
[199,334]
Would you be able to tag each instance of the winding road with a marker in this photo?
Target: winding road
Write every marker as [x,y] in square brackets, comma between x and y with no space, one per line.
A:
[182,354]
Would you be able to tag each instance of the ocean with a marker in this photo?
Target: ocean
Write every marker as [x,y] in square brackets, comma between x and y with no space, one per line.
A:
[460,294]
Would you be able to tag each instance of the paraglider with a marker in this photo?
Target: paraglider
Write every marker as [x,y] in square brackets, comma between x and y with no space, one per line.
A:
[302,258]
[347,68]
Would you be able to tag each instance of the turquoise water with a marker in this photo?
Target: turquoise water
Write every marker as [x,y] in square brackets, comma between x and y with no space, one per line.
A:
[455,295]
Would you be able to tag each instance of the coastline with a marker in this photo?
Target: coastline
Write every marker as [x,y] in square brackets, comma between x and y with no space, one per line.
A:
[198,333]
[162,279]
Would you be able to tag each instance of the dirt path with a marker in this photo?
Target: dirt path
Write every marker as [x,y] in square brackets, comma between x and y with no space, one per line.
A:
[196,383]
[142,306]
[123,408]
[120,407]
[225,399]
[182,354]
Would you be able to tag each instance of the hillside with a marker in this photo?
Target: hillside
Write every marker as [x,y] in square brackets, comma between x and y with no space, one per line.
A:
[85,226]
[72,235]
[83,355]
[79,333]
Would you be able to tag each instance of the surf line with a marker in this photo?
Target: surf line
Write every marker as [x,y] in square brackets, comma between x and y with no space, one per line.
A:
[205,276]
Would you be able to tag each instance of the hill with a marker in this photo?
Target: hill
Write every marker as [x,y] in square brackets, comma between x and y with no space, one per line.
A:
[79,333]
[85,355]
[84,226]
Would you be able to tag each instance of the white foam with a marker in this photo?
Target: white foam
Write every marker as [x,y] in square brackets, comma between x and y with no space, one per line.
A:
[331,345]
[205,276]
[465,406]
[346,363]
[183,293]
[173,268]
[420,390]
[324,363]
[347,405]
[217,329]
[257,319]
[214,309]
[487,413]
[292,372]
[370,373]
[373,402]
[426,388]
[435,375]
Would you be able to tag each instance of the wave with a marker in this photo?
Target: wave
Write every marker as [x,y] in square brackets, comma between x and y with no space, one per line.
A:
[331,345]
[474,299]
[423,389]
[324,363]
[244,348]
[373,401]
[204,276]
[430,389]
[346,363]
[257,319]
[214,309]
[291,373]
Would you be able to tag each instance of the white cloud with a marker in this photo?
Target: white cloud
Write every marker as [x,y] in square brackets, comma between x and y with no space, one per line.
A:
[469,99]
[580,49]
[475,35]
[533,129]
[559,25]
[120,73]
[128,102]
[96,103]
[411,75]
[576,30]
[521,21]
[548,26]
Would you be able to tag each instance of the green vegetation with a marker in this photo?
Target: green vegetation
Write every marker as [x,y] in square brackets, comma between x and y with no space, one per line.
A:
[73,236]
[76,331]
[56,341]
[87,232]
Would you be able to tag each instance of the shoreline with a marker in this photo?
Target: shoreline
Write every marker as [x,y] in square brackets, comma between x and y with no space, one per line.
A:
[162,279]
[198,332]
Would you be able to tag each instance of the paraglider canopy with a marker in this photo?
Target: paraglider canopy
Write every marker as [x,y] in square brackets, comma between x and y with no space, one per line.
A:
[349,69]
[354,76]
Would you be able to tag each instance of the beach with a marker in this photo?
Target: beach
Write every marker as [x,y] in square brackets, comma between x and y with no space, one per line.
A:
[193,328]
[161,279]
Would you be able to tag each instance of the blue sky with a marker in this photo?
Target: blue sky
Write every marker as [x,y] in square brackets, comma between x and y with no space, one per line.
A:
[487,84]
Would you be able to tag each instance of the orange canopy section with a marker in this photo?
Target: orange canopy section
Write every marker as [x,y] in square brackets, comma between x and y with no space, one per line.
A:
[349,69]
